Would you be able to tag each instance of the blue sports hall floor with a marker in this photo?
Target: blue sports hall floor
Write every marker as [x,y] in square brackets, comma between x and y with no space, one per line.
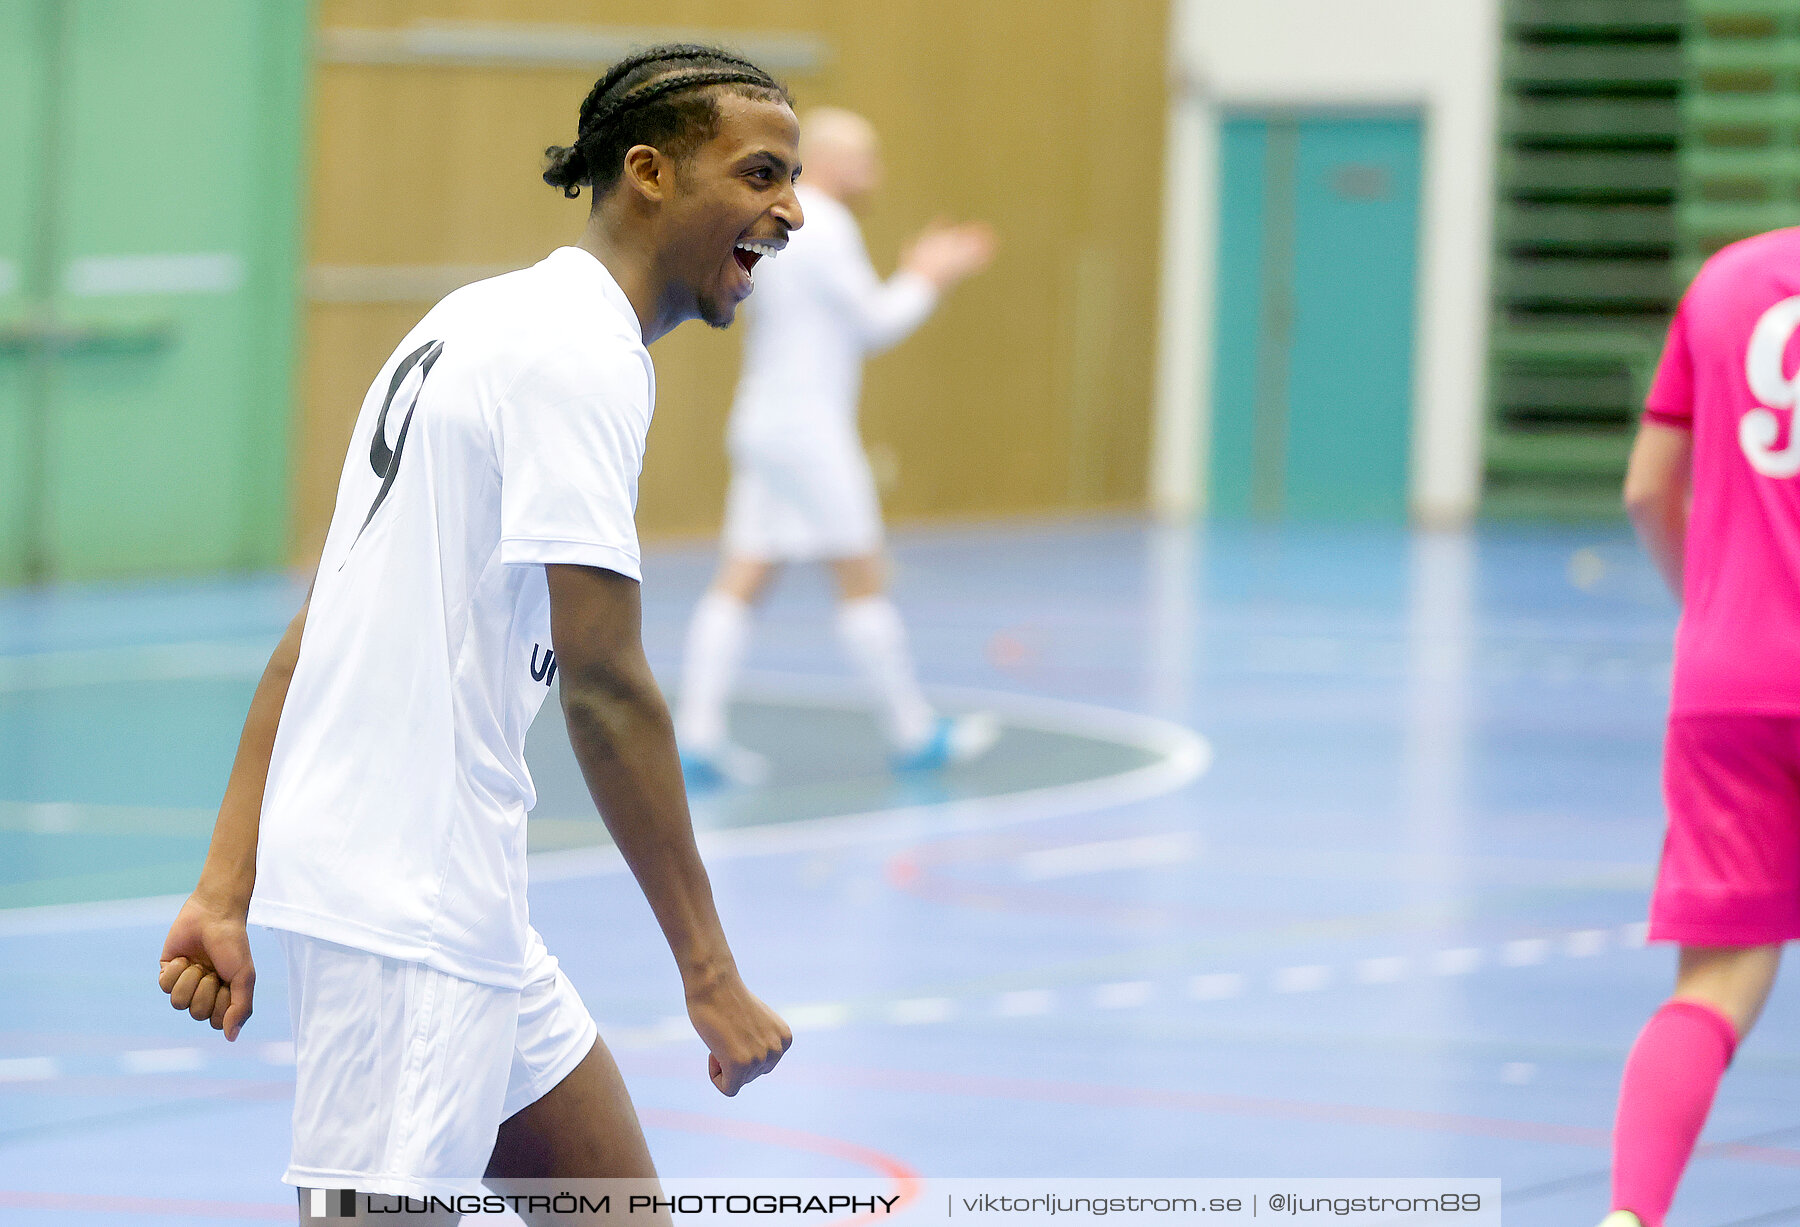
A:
[1305,852]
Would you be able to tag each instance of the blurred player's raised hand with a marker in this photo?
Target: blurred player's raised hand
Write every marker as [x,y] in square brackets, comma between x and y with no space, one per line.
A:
[206,967]
[744,1038]
[945,254]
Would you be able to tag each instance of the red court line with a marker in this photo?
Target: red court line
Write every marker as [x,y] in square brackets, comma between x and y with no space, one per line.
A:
[907,875]
[906,1180]
[1744,1152]
[1100,1095]
[18,1199]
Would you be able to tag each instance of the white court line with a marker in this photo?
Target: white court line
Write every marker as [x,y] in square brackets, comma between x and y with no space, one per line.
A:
[1026,1003]
[1017,1003]
[1526,952]
[80,917]
[1217,986]
[1127,995]
[1143,852]
[28,1069]
[1458,962]
[820,1016]
[1585,944]
[917,1010]
[1308,979]
[1388,970]
[157,662]
[1212,986]
[162,1061]
[1182,757]
[671,1030]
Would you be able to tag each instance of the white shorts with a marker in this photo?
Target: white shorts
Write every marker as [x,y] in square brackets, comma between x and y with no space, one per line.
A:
[404,1073]
[806,500]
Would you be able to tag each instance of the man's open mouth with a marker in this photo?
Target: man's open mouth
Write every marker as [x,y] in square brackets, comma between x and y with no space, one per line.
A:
[749,251]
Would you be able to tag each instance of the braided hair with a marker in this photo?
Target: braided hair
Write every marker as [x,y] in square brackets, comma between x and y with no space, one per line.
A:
[658,97]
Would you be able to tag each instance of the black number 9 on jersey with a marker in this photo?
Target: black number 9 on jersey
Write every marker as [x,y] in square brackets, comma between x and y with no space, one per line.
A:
[383,459]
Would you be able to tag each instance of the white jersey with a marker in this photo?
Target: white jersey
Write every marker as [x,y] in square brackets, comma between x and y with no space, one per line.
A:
[819,309]
[506,432]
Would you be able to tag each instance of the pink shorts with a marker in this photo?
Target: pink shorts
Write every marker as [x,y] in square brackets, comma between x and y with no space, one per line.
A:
[1730,872]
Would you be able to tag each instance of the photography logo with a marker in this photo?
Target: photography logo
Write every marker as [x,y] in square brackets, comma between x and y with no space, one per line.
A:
[327,1203]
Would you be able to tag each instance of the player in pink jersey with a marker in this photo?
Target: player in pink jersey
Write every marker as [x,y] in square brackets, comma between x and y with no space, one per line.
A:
[1712,492]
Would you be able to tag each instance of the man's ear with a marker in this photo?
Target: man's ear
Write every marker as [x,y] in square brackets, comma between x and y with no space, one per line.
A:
[647,172]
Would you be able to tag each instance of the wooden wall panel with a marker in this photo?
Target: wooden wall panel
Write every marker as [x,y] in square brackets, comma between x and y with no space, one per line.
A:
[1029,392]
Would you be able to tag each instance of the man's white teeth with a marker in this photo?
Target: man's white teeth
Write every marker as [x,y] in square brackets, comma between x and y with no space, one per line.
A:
[761,249]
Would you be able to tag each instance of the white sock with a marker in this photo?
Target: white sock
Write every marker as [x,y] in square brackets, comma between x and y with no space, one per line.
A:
[715,648]
[872,634]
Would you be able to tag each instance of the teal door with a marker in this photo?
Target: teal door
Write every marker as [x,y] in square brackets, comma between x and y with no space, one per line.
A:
[147,273]
[1313,350]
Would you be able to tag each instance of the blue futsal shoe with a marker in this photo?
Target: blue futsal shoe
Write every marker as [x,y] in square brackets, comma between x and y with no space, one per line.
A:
[724,765]
[953,740]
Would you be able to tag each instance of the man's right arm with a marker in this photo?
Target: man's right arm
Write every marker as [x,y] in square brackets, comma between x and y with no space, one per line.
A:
[206,967]
[886,312]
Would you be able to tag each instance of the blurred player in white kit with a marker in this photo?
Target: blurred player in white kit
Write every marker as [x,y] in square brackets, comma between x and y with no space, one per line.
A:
[801,488]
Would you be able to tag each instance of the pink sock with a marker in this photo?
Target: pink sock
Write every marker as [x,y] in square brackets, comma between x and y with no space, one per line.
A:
[1670,1078]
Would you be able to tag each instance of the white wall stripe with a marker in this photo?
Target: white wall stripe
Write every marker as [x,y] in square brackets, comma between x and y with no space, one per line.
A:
[204,272]
[372,283]
[536,44]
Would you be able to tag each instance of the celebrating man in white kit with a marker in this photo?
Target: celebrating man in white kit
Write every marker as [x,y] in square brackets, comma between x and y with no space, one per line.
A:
[801,489]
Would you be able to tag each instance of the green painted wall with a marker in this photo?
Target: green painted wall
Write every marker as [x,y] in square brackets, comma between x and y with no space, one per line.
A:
[22,31]
[150,376]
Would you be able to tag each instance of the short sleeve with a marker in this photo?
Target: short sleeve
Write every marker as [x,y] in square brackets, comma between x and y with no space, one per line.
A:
[1671,399]
[571,445]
